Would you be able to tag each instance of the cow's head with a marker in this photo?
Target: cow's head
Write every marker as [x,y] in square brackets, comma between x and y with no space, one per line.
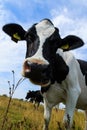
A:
[43,40]
[30,94]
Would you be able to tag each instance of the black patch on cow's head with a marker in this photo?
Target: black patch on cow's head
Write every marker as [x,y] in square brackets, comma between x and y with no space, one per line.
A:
[32,41]
[51,45]
[58,69]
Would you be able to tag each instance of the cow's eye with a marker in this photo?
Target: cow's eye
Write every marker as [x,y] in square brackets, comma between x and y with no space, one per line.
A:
[31,37]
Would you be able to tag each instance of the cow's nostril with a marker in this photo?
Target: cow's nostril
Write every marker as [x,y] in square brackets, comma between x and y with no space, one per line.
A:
[27,66]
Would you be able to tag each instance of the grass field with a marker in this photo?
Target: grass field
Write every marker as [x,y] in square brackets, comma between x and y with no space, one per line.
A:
[23,116]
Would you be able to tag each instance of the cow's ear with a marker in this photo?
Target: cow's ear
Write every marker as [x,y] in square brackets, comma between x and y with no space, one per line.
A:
[15,31]
[71,42]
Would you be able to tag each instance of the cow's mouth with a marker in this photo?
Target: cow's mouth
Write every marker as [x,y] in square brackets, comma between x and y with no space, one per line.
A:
[37,73]
[43,84]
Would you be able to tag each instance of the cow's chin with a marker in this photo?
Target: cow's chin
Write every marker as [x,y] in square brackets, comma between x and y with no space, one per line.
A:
[42,84]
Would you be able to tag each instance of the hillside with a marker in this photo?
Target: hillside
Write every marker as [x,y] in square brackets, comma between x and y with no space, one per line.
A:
[23,116]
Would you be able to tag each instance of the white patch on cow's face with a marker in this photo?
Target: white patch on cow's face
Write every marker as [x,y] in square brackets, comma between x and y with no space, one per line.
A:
[44,29]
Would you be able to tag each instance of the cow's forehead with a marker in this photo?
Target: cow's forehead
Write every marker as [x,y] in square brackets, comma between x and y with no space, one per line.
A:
[45,23]
[45,28]
[38,34]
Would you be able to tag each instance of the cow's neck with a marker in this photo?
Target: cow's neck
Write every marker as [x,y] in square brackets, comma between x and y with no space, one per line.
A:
[45,89]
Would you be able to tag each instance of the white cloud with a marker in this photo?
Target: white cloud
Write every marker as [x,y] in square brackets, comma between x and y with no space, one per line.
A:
[69,25]
[11,55]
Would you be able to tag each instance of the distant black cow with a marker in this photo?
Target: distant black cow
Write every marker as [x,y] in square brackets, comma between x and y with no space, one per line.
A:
[34,96]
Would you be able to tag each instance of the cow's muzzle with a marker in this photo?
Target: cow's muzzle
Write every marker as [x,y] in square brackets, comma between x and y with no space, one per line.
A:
[37,73]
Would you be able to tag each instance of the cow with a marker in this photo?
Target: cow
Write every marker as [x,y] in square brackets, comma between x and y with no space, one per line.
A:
[35,97]
[50,64]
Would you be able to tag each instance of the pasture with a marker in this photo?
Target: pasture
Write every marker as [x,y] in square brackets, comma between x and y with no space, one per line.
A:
[23,116]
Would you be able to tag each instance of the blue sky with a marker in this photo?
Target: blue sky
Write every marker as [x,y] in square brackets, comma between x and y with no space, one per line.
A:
[69,16]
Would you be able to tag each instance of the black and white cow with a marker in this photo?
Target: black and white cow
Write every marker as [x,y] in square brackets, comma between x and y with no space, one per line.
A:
[35,97]
[49,63]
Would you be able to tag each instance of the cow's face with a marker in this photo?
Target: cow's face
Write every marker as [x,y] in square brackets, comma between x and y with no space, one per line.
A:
[40,46]
[43,40]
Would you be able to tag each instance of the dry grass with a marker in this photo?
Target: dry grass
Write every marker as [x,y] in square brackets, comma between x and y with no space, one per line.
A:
[23,116]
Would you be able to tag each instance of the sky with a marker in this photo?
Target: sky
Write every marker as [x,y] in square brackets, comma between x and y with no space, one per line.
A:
[69,16]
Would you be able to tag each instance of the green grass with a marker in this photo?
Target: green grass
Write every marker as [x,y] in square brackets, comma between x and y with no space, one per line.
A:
[23,116]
